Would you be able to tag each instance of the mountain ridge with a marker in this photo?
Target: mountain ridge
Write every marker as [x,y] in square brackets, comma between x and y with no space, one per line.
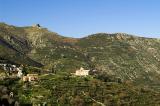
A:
[126,56]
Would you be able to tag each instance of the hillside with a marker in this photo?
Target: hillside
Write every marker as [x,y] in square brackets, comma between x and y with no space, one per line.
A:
[66,90]
[14,47]
[120,61]
[125,56]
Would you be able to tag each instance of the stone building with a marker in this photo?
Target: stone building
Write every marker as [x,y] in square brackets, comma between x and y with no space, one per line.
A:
[82,72]
[30,77]
[36,26]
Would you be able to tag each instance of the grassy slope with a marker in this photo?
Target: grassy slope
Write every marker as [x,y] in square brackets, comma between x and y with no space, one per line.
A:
[128,57]
[66,90]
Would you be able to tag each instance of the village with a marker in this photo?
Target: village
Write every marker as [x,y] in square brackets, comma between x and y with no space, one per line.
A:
[14,71]
[17,72]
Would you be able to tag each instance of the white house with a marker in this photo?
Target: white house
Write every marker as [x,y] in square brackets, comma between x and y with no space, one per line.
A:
[19,74]
[5,68]
[82,72]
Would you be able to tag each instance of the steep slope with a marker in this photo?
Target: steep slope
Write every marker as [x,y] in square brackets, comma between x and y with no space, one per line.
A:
[13,47]
[48,48]
[125,56]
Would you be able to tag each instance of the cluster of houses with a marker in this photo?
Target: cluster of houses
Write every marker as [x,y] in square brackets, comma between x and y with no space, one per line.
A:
[14,71]
[30,77]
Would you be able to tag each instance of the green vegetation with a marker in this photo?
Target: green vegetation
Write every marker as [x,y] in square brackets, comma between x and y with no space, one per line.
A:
[66,90]
[125,56]
[127,67]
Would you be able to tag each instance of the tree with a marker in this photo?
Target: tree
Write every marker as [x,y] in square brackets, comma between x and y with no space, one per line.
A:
[24,70]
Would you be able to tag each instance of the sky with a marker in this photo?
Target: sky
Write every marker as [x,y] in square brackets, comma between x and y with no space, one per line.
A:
[79,18]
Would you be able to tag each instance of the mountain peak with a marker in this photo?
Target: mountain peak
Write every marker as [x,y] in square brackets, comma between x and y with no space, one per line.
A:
[36,25]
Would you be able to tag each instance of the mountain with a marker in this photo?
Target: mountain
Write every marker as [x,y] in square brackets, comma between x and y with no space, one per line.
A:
[125,56]
[14,47]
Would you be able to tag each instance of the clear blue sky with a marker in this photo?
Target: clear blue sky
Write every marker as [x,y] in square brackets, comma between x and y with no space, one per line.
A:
[78,18]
